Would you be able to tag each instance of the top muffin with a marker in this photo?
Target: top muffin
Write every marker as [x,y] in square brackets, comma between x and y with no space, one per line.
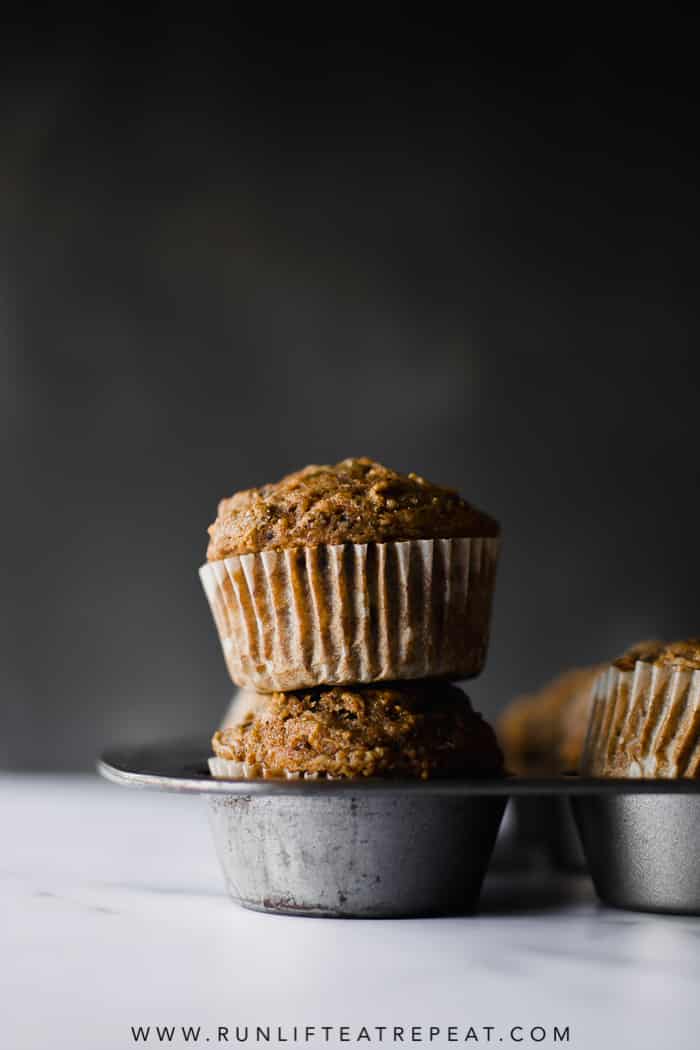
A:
[349,574]
[354,501]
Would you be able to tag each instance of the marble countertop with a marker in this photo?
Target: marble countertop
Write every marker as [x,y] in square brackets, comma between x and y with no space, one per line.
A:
[114,917]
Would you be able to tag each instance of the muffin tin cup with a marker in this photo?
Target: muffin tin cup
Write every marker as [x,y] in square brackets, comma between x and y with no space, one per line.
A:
[338,615]
[389,848]
[643,851]
[564,841]
[545,824]
[383,855]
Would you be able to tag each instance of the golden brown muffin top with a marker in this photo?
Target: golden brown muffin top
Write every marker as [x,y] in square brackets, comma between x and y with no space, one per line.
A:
[684,654]
[418,729]
[355,501]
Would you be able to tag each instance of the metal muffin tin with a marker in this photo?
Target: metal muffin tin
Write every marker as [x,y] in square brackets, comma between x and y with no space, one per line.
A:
[643,851]
[546,823]
[390,848]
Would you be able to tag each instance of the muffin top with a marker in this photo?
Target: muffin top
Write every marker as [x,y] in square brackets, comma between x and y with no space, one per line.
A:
[419,729]
[684,654]
[355,501]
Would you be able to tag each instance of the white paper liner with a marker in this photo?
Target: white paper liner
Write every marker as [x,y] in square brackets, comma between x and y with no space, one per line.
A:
[644,723]
[230,769]
[334,615]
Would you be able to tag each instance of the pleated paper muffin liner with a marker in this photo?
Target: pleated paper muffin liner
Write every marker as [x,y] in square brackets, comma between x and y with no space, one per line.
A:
[645,722]
[352,613]
[230,769]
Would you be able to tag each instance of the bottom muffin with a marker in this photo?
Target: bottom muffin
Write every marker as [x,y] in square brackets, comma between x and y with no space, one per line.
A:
[408,729]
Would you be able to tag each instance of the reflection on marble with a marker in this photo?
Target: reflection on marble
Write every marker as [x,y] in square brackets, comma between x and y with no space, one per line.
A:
[113,915]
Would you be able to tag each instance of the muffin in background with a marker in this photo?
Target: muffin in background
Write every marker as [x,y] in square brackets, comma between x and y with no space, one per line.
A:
[351,573]
[543,733]
[399,729]
[574,720]
[646,714]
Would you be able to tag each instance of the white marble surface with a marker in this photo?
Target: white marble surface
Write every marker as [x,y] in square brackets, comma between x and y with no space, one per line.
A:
[113,915]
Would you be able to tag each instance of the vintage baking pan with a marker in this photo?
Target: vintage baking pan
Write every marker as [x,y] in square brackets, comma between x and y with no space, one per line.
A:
[389,848]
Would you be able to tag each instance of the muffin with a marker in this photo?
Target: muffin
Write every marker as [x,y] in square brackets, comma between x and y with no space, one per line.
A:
[543,733]
[399,729]
[347,574]
[646,714]
[243,702]
[573,720]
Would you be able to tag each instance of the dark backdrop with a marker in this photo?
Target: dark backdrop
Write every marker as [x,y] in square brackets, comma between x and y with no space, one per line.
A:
[225,255]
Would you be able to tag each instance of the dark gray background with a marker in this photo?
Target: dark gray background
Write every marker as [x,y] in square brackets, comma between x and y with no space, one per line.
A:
[224,257]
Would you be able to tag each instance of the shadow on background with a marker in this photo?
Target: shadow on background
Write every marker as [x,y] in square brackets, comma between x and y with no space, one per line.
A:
[224,257]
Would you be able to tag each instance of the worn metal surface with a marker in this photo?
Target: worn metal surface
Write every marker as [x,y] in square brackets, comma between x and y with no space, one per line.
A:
[391,847]
[360,856]
[643,851]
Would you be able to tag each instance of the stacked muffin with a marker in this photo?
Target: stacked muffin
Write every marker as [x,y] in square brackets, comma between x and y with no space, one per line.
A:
[346,597]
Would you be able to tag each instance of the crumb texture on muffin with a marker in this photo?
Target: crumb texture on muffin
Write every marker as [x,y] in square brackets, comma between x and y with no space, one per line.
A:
[416,729]
[354,501]
[685,653]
